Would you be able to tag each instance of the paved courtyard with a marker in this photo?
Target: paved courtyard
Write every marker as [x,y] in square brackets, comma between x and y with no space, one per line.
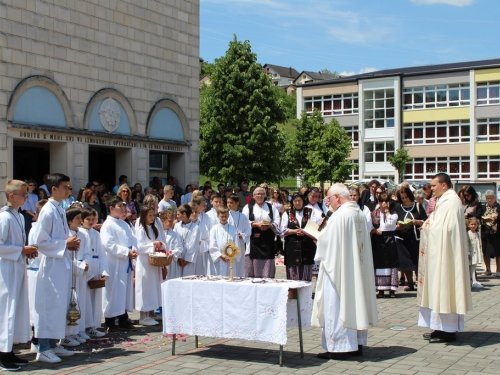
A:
[395,347]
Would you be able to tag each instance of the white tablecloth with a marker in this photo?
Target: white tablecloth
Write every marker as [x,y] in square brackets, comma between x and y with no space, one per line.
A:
[239,310]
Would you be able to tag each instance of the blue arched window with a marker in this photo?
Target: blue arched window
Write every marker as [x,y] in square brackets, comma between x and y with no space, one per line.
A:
[166,125]
[38,105]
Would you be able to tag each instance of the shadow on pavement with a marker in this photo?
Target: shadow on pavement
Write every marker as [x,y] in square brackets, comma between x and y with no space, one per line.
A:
[377,353]
[259,355]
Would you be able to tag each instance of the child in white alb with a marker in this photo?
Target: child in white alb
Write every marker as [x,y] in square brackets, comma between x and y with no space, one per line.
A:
[75,335]
[190,236]
[220,235]
[98,268]
[173,242]
[148,278]
[475,249]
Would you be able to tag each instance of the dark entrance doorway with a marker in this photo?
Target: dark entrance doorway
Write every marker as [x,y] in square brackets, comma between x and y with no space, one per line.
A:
[31,160]
[102,165]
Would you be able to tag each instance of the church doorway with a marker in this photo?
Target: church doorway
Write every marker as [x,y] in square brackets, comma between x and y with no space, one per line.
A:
[31,160]
[102,165]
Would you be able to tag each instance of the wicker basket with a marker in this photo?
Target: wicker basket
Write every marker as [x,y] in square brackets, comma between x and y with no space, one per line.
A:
[160,261]
[96,284]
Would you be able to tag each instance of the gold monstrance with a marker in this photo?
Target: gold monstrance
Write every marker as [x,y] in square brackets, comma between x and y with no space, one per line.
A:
[231,251]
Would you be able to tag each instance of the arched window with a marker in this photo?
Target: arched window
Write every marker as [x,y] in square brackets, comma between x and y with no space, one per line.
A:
[167,121]
[40,101]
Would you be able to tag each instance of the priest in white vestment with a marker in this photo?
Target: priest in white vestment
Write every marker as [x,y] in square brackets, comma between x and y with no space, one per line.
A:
[345,304]
[444,293]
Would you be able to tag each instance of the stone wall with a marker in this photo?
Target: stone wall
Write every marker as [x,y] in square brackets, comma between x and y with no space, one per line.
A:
[146,49]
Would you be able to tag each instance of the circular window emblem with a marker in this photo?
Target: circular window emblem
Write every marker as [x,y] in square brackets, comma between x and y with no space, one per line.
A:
[110,115]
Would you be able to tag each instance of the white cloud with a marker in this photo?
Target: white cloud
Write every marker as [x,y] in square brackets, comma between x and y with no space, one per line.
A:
[337,23]
[367,69]
[458,3]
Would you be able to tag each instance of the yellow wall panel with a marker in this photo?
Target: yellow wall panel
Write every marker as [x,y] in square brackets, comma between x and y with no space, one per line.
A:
[436,114]
[484,75]
[485,149]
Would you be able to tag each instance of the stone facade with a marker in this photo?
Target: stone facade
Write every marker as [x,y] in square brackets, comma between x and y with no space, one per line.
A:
[144,51]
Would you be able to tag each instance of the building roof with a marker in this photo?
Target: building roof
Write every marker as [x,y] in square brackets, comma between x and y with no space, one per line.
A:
[316,75]
[413,71]
[283,71]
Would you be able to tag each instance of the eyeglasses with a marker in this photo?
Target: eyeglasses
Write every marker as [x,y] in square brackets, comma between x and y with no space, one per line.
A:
[124,192]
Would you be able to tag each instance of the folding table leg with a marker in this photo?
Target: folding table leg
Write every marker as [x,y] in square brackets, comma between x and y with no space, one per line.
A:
[299,317]
[196,342]
[173,344]
[281,356]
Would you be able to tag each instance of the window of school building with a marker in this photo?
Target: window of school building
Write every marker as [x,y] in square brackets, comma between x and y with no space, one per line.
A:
[379,108]
[452,95]
[419,133]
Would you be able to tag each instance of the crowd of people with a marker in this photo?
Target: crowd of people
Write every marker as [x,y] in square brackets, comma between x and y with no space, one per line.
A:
[106,237]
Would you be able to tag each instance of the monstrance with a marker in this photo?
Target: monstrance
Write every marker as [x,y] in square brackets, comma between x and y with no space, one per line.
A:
[231,251]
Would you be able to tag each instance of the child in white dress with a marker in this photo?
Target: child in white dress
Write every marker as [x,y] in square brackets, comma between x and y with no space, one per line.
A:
[475,249]
[148,278]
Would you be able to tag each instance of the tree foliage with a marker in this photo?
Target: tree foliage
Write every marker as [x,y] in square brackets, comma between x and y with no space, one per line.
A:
[334,74]
[206,68]
[287,101]
[321,149]
[399,161]
[239,139]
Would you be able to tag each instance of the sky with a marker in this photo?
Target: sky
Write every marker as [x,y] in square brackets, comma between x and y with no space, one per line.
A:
[353,36]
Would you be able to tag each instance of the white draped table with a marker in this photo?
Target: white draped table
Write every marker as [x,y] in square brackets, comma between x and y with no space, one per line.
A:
[247,309]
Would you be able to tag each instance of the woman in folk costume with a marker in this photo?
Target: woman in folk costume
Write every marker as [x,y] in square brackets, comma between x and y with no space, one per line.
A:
[385,253]
[413,215]
[264,219]
[148,278]
[299,248]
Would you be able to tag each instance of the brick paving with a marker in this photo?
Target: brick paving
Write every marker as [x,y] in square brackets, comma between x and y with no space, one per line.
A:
[395,346]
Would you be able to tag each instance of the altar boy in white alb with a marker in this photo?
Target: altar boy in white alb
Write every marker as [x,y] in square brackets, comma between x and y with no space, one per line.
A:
[120,246]
[190,236]
[14,311]
[53,279]
[98,267]
[220,235]
[244,229]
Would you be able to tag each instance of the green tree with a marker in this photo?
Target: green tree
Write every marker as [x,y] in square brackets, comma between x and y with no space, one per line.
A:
[321,150]
[334,74]
[206,68]
[287,101]
[399,161]
[239,111]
